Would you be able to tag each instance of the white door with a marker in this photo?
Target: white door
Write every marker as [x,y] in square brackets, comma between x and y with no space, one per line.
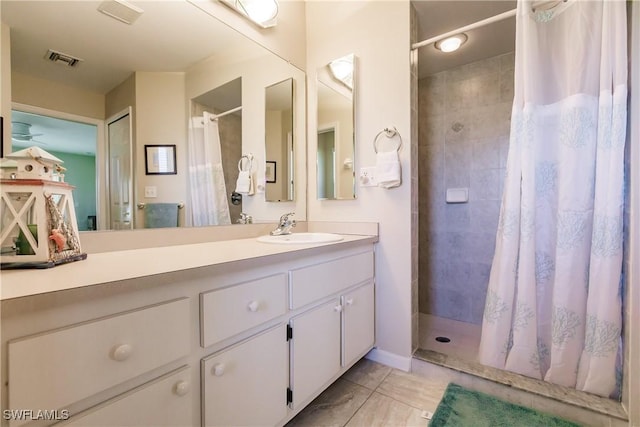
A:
[246,385]
[358,317]
[315,350]
[120,169]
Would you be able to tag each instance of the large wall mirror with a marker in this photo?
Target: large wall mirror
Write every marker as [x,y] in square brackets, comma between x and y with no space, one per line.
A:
[279,142]
[176,54]
[336,137]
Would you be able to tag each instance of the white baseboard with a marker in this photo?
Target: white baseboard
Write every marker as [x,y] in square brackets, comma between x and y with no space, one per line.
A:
[390,359]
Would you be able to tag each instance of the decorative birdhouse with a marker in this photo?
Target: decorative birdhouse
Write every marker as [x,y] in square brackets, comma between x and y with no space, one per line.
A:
[38,226]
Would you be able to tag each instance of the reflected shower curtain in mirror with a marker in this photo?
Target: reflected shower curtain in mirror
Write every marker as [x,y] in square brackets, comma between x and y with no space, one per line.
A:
[207,189]
[553,307]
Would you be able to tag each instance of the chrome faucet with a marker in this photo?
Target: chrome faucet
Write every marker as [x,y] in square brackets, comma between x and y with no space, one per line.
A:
[245,219]
[285,224]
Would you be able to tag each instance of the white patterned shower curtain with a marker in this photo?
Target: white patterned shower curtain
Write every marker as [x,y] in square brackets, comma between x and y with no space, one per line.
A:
[207,189]
[553,308]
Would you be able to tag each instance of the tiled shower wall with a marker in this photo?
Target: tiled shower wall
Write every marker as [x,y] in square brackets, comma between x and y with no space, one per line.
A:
[464,119]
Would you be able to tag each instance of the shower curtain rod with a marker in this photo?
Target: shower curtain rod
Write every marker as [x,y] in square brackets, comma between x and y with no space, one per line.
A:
[490,20]
[233,110]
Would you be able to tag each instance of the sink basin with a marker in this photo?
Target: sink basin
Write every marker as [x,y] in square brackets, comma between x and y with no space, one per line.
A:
[301,238]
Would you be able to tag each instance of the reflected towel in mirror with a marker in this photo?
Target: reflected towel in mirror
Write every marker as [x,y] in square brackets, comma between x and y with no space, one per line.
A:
[159,215]
[243,184]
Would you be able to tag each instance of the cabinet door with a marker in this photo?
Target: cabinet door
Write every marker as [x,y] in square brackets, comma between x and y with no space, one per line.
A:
[247,383]
[166,401]
[358,328]
[315,350]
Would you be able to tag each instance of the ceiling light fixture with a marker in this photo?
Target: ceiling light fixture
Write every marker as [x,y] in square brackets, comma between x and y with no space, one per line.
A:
[342,70]
[452,43]
[260,12]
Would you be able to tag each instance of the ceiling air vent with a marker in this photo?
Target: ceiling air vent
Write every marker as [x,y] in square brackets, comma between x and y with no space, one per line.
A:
[62,58]
[120,10]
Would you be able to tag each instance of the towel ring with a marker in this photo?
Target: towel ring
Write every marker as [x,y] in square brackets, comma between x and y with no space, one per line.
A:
[389,133]
[249,158]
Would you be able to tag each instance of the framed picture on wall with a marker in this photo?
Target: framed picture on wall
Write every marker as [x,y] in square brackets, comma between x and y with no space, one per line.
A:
[270,172]
[160,159]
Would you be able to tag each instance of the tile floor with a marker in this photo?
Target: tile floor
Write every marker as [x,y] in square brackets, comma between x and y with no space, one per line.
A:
[371,394]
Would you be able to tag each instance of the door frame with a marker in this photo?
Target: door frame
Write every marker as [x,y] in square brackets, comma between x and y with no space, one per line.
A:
[101,183]
[127,111]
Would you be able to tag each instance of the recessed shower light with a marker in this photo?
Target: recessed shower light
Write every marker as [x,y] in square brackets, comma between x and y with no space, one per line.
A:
[452,43]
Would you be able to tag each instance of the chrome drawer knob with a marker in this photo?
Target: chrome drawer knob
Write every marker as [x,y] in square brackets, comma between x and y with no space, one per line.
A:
[337,308]
[350,301]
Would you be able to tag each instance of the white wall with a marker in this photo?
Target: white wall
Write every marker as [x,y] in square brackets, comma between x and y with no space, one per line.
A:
[258,73]
[378,33]
[160,115]
[5,83]
[55,96]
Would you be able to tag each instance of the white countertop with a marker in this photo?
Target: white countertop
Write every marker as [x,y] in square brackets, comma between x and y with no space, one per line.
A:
[107,267]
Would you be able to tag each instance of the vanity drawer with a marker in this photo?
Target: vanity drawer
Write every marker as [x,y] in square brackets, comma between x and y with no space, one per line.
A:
[309,284]
[229,311]
[60,367]
[166,401]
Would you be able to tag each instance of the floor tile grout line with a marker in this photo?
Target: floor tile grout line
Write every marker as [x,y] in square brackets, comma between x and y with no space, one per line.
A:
[368,397]
[406,403]
[359,407]
[394,398]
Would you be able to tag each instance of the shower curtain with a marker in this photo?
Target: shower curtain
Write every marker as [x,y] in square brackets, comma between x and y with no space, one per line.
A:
[207,190]
[553,307]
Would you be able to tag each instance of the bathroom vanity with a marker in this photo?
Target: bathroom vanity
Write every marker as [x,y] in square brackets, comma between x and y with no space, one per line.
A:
[222,333]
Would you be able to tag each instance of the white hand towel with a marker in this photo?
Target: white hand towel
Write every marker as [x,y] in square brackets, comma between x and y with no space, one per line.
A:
[252,189]
[388,171]
[243,184]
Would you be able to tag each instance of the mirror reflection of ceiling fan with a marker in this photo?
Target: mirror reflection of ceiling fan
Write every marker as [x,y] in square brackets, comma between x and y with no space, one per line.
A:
[21,133]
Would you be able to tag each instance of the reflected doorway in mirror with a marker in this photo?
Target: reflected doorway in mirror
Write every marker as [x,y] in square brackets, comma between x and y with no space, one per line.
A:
[270,172]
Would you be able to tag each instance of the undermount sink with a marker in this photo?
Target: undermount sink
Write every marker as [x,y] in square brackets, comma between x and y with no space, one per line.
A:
[301,238]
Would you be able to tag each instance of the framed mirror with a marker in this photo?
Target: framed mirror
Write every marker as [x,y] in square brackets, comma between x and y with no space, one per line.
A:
[279,169]
[174,53]
[335,166]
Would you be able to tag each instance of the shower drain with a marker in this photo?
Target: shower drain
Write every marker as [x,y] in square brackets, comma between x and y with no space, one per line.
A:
[443,339]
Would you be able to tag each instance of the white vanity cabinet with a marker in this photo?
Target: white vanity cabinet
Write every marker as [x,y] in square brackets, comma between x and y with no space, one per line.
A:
[358,321]
[244,342]
[57,368]
[338,326]
[315,350]
[234,309]
[245,385]
[163,402]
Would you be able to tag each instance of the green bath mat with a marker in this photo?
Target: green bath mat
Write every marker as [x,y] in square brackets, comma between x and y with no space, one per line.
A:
[460,407]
